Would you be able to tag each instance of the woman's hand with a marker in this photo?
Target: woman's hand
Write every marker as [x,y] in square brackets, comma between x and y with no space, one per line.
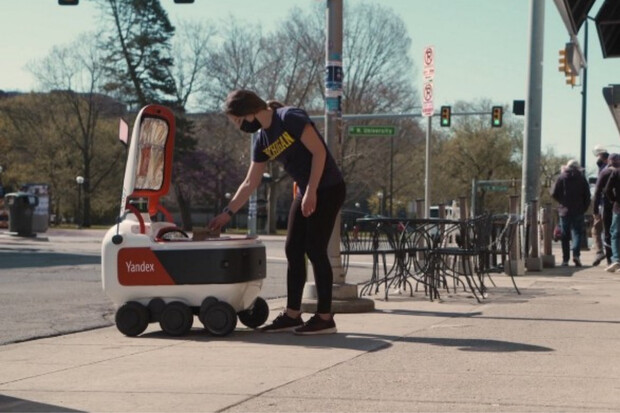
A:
[219,221]
[308,203]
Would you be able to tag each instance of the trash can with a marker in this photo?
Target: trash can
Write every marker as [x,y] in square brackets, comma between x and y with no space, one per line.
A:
[21,207]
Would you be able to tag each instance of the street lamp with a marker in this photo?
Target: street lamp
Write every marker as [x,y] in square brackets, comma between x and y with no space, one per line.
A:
[380,196]
[228,196]
[80,182]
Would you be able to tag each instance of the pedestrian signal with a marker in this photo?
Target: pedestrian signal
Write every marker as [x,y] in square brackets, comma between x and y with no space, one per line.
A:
[446,112]
[496,116]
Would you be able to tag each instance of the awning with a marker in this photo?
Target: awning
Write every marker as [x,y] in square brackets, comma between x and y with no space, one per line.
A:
[608,26]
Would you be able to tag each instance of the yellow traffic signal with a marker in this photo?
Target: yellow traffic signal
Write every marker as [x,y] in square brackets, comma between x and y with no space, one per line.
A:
[446,111]
[563,64]
[565,55]
[496,116]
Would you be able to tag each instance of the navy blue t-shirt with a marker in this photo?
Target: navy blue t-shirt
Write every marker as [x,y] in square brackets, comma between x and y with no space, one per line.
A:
[282,142]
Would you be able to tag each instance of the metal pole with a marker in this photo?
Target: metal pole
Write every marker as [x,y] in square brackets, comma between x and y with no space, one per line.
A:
[333,112]
[391,173]
[515,263]
[252,207]
[474,195]
[427,171]
[79,205]
[531,144]
[345,298]
[584,98]
[534,228]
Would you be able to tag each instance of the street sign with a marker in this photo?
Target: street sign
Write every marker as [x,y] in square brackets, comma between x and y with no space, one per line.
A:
[427,99]
[372,130]
[496,188]
[429,62]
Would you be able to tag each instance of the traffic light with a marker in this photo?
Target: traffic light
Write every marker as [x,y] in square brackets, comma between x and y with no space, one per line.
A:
[446,111]
[567,64]
[68,2]
[563,64]
[496,116]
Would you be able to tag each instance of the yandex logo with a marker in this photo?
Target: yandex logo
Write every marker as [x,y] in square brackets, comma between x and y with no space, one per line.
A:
[139,266]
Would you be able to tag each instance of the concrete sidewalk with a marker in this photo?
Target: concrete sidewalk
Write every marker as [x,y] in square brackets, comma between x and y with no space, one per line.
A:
[555,347]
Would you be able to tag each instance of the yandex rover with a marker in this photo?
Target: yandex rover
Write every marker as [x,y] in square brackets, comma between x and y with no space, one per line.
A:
[153,272]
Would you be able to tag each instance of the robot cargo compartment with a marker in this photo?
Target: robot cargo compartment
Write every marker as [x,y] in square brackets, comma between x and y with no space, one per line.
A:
[144,266]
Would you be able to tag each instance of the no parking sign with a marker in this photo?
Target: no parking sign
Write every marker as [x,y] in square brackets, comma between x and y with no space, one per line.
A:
[428,58]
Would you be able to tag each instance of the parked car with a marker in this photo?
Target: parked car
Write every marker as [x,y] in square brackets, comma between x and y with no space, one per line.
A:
[449,211]
[349,218]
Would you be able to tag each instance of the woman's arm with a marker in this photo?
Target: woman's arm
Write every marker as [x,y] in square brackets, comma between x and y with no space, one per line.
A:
[312,141]
[249,184]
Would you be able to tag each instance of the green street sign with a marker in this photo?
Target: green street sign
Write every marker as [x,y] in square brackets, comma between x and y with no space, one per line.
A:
[372,130]
[496,188]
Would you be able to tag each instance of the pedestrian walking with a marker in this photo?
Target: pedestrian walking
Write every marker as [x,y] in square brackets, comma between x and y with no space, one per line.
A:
[602,207]
[612,192]
[599,235]
[572,192]
[287,135]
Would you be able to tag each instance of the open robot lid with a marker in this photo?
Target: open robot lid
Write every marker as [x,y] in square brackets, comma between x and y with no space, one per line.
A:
[149,161]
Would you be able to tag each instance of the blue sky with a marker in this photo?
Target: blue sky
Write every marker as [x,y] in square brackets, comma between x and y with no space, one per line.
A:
[481,52]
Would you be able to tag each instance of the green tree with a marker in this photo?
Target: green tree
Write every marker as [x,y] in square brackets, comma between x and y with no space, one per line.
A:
[138,60]
[476,151]
[140,70]
[51,143]
[74,73]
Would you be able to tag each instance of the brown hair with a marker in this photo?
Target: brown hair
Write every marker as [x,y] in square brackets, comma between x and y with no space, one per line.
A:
[274,104]
[243,102]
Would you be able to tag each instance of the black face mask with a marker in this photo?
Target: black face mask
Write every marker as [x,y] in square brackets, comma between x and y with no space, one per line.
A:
[250,127]
[600,163]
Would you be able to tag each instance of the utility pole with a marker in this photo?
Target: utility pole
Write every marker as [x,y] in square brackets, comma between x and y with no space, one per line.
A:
[345,297]
[427,170]
[584,97]
[531,144]
[333,111]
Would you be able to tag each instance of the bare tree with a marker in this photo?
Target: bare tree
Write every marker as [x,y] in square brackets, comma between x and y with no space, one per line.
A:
[476,151]
[191,54]
[74,75]
[288,65]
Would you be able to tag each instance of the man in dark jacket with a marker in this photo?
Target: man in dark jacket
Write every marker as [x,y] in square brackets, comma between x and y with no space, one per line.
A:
[612,192]
[600,233]
[602,208]
[572,192]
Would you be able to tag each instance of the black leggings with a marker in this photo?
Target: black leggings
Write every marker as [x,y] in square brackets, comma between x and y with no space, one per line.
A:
[310,236]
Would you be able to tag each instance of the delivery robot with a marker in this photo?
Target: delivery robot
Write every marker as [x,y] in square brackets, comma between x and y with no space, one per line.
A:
[153,271]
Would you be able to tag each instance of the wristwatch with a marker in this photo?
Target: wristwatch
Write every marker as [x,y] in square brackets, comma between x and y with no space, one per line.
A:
[228,211]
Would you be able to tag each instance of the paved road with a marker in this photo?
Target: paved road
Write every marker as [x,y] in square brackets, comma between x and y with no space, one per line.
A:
[51,284]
